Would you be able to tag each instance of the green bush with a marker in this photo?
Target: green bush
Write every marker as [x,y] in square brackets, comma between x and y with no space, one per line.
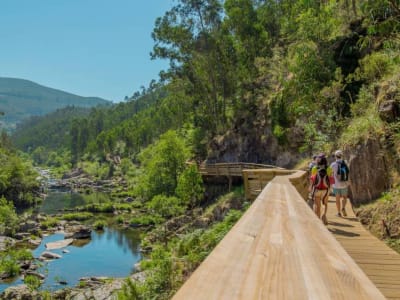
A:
[145,220]
[49,223]
[81,216]
[33,282]
[99,225]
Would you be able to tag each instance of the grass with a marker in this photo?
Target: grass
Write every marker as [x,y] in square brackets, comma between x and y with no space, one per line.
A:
[387,209]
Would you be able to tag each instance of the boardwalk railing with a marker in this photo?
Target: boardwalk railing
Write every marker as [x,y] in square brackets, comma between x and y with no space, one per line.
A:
[255,181]
[230,169]
[279,250]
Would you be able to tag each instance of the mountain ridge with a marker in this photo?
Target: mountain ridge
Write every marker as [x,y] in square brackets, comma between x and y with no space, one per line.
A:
[22,98]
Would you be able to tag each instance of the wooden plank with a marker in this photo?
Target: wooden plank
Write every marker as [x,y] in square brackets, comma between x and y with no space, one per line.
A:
[380,263]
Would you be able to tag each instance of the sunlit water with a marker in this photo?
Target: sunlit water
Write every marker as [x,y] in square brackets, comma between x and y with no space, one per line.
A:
[112,253]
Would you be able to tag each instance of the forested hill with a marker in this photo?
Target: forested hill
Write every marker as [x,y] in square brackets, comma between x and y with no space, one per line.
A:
[21,98]
[261,81]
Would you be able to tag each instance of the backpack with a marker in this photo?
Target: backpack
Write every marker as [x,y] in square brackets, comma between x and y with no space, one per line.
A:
[343,171]
[321,181]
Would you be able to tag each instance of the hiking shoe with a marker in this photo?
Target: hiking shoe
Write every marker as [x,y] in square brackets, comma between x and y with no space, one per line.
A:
[324,220]
[344,212]
[338,215]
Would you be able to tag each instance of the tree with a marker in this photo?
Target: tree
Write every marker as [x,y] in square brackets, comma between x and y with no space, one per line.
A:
[163,162]
[8,217]
[190,186]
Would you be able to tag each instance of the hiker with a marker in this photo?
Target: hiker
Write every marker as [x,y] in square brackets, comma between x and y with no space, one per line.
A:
[313,163]
[340,187]
[320,183]
[310,198]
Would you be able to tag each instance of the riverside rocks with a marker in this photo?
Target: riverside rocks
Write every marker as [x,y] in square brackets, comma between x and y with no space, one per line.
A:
[5,242]
[20,292]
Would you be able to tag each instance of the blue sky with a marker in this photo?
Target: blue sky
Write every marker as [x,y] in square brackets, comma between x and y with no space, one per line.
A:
[86,47]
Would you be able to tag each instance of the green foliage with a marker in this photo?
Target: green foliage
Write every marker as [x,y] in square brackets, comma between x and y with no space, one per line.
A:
[9,261]
[190,187]
[165,206]
[163,162]
[145,220]
[99,225]
[165,267]
[23,254]
[375,66]
[280,133]
[17,179]
[366,121]
[8,217]
[50,222]
[80,216]
[32,281]
[129,291]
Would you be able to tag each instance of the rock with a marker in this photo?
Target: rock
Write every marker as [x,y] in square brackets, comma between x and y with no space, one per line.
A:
[129,199]
[19,292]
[137,267]
[58,244]
[28,226]
[35,242]
[4,275]
[81,232]
[50,255]
[22,235]
[369,171]
[389,110]
[6,242]
[25,265]
[38,275]
[74,173]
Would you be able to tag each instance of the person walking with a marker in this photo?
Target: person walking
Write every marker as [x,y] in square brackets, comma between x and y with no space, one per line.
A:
[340,186]
[320,183]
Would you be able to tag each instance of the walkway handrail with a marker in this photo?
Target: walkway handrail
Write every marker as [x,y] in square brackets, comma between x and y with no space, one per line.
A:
[230,169]
[279,250]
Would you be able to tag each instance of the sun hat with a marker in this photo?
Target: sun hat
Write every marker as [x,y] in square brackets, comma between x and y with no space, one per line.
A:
[338,153]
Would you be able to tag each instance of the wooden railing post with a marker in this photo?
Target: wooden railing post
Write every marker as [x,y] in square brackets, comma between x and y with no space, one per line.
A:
[245,175]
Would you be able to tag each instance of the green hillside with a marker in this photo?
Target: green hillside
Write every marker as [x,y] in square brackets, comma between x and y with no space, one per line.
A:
[21,98]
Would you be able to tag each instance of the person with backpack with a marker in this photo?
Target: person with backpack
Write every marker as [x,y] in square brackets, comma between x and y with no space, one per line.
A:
[320,183]
[340,187]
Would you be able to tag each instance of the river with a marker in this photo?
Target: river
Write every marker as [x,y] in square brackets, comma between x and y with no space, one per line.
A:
[111,253]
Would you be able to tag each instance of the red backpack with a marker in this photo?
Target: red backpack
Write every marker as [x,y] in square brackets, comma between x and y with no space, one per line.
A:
[321,180]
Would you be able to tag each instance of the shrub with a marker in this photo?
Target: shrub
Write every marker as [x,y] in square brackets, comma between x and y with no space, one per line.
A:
[81,216]
[33,282]
[99,225]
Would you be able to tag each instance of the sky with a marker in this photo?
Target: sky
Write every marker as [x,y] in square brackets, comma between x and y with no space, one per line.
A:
[85,47]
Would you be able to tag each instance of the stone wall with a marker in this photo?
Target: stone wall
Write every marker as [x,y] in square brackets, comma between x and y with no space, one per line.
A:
[369,171]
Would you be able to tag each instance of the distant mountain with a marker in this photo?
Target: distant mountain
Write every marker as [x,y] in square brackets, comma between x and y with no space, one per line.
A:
[20,99]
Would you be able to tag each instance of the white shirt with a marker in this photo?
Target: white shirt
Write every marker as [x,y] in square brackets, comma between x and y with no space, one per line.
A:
[338,184]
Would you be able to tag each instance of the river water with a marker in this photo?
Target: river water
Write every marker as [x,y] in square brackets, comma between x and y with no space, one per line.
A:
[112,252]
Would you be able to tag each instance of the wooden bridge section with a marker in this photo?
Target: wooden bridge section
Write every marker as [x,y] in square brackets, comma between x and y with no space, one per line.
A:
[280,250]
[375,258]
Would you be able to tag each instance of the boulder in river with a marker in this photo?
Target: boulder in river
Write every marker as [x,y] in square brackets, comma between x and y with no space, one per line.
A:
[58,244]
[50,255]
[81,232]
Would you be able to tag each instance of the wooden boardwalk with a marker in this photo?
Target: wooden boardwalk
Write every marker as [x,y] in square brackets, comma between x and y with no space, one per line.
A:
[278,250]
[378,261]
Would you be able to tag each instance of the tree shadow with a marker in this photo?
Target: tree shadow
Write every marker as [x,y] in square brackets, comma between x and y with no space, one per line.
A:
[342,232]
[340,224]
